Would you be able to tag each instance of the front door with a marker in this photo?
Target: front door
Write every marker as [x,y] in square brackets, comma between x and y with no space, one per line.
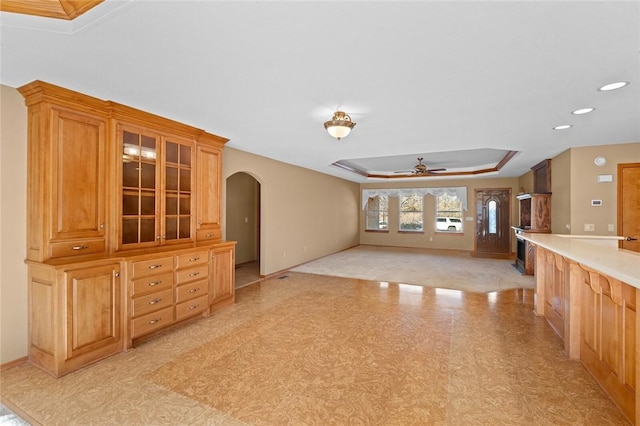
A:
[629,205]
[493,222]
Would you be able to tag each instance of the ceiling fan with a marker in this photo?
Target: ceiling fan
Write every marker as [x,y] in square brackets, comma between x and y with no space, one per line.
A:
[421,169]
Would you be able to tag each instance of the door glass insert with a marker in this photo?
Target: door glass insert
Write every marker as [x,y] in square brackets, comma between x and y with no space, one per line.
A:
[493,228]
[138,188]
[177,197]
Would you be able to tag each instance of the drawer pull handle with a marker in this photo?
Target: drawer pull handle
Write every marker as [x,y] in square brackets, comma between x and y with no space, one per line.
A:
[193,274]
[154,283]
[191,308]
[193,290]
[193,259]
[154,301]
[79,247]
[209,235]
[155,266]
[153,321]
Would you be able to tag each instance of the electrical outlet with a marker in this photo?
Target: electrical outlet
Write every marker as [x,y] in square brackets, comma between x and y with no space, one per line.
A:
[589,227]
[611,227]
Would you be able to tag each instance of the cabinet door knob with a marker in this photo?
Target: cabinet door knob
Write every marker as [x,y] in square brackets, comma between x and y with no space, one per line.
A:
[117,274]
[102,226]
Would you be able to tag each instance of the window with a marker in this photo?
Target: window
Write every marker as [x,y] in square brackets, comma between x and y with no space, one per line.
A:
[377,213]
[448,214]
[411,214]
[492,217]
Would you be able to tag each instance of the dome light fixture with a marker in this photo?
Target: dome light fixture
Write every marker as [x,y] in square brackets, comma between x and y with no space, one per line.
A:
[583,111]
[613,86]
[340,125]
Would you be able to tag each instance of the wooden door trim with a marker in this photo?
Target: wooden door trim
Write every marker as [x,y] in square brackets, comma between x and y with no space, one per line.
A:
[474,253]
[620,196]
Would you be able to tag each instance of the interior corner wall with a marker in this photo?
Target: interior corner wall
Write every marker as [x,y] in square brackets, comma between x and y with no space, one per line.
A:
[13,225]
[561,193]
[525,183]
[585,186]
[305,214]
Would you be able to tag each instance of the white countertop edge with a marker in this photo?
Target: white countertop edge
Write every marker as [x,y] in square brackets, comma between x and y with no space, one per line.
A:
[599,255]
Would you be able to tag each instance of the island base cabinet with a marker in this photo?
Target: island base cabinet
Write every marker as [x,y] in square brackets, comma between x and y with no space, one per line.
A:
[75,316]
[608,337]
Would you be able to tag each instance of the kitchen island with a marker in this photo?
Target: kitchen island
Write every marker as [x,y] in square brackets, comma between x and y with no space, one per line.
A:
[587,289]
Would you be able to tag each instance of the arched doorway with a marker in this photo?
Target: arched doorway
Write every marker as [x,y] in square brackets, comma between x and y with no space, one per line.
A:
[243,225]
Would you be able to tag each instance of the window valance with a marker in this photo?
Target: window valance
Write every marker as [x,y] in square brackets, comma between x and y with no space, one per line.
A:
[457,191]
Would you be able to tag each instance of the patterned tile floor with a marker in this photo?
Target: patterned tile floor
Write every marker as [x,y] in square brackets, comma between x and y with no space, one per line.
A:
[316,350]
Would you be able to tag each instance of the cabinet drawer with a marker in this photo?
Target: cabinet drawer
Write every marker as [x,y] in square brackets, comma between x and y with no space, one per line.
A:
[152,283]
[191,307]
[190,259]
[76,248]
[150,322]
[144,268]
[191,290]
[208,234]
[151,302]
[195,273]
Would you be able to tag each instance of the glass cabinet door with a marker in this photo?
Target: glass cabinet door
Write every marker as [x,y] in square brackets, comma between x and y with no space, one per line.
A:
[177,190]
[139,187]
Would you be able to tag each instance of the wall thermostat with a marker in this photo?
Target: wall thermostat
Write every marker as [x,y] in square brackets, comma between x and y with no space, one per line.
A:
[596,203]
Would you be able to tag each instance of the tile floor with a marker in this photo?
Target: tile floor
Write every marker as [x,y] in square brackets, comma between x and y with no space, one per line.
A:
[317,350]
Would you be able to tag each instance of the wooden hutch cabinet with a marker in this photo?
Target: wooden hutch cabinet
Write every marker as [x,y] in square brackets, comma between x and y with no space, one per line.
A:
[123,236]
[535,216]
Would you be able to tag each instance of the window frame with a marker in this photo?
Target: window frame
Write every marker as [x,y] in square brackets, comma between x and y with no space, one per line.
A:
[401,211]
[450,214]
[380,212]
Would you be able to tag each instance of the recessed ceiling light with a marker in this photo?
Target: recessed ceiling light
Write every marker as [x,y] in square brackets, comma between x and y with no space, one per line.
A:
[583,111]
[563,127]
[613,86]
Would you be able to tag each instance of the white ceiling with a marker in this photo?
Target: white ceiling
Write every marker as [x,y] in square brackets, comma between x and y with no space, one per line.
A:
[418,77]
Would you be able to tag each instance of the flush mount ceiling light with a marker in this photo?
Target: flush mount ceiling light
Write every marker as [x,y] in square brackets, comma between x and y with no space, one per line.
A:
[583,111]
[340,125]
[613,86]
[563,127]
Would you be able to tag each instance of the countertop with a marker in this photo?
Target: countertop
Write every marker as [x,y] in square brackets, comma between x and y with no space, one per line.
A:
[597,253]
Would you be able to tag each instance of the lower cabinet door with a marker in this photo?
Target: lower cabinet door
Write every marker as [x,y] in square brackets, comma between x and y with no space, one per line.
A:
[93,310]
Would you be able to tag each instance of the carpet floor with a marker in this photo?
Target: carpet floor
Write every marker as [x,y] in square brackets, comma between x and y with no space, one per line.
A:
[451,269]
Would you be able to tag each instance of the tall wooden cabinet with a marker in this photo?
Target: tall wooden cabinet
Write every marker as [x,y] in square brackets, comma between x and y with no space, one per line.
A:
[123,235]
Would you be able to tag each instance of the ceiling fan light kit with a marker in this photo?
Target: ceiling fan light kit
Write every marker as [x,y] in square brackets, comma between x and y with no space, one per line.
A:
[340,125]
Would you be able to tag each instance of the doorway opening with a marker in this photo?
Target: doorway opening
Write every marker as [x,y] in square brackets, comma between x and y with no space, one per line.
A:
[243,226]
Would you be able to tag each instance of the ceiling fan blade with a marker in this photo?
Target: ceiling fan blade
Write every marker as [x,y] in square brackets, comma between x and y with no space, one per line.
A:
[404,171]
[436,170]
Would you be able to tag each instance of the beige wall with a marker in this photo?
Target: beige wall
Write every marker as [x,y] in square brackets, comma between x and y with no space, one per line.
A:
[242,216]
[561,193]
[429,238]
[304,214]
[13,225]
[584,186]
